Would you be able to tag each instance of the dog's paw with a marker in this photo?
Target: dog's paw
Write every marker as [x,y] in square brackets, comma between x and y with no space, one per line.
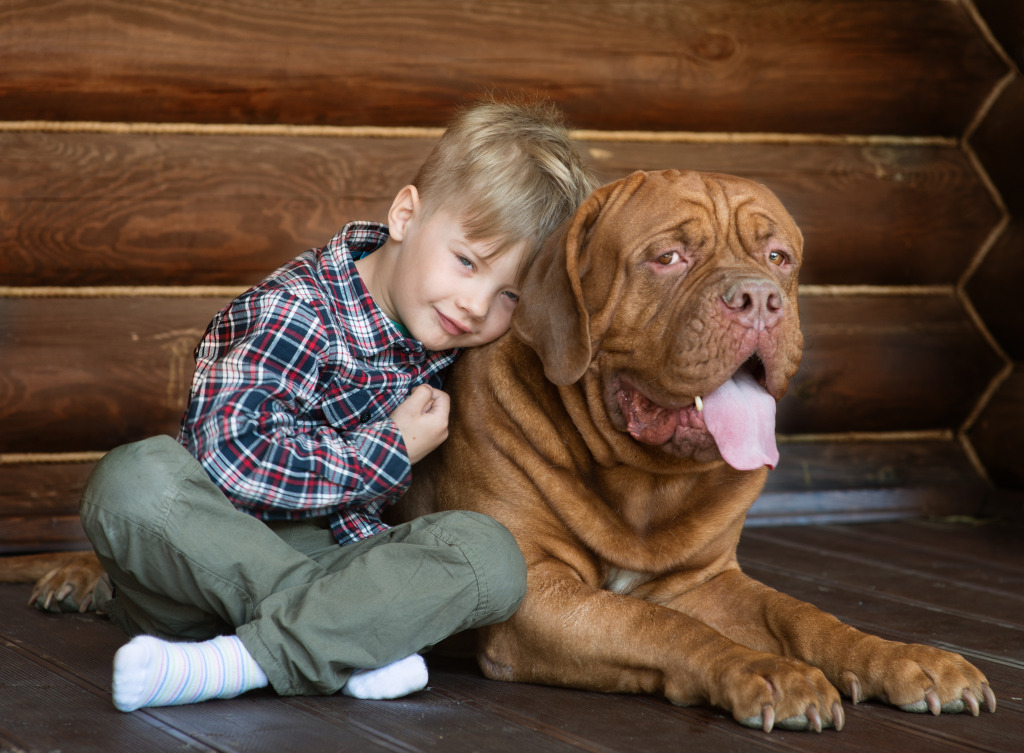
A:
[774,691]
[74,586]
[919,679]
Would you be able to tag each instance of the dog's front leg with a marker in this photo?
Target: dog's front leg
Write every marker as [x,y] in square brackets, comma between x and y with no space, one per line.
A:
[569,633]
[912,676]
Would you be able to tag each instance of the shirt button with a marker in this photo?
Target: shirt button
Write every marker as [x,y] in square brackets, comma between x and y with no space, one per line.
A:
[365,418]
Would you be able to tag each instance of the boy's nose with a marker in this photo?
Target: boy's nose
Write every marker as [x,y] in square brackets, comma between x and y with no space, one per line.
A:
[474,304]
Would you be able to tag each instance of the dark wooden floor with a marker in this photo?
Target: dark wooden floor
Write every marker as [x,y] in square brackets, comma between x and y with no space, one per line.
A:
[958,585]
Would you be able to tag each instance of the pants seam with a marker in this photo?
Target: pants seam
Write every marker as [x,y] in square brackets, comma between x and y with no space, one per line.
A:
[483,600]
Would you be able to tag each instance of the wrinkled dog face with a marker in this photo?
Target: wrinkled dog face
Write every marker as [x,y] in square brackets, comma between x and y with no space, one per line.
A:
[705,334]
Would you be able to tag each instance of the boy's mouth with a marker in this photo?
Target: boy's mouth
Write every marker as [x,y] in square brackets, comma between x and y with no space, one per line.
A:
[451,326]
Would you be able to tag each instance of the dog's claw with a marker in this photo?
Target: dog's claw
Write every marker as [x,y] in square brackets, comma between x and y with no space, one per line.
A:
[990,698]
[814,718]
[838,716]
[855,688]
[934,704]
[971,702]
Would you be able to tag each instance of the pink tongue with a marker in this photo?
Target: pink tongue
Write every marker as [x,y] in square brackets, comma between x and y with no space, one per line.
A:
[741,417]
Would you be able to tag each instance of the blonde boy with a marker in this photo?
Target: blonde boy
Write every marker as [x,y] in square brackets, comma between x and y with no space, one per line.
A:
[314,394]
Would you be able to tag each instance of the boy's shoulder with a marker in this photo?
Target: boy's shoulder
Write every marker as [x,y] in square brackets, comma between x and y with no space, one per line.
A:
[323,283]
[327,272]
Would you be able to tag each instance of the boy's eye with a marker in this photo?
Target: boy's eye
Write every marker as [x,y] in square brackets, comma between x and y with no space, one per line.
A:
[467,263]
[511,296]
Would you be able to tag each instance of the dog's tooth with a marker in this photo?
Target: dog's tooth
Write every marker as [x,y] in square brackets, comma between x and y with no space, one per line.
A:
[699,403]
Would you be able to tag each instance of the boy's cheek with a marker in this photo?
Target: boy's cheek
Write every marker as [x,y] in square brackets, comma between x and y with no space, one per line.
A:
[500,327]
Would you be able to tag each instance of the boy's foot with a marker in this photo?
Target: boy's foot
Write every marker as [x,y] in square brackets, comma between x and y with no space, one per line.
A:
[393,680]
[153,672]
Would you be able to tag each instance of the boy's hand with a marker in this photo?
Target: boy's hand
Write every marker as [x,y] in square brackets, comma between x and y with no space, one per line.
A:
[423,421]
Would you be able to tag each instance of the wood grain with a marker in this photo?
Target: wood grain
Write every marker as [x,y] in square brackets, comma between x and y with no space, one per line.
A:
[89,374]
[864,66]
[93,374]
[111,209]
[886,363]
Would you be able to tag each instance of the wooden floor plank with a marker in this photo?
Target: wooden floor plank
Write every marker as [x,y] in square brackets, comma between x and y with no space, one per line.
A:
[991,543]
[43,708]
[925,579]
[55,671]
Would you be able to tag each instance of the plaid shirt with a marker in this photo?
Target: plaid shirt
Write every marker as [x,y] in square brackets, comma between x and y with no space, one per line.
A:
[294,385]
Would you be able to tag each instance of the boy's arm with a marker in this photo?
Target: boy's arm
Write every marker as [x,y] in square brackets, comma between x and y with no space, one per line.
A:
[243,422]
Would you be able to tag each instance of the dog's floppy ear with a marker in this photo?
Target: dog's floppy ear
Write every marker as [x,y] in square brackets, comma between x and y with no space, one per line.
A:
[552,316]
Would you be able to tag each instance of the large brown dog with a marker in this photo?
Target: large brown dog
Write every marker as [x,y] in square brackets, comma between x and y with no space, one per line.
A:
[621,431]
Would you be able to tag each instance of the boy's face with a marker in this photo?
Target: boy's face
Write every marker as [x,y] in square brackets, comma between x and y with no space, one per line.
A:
[448,291]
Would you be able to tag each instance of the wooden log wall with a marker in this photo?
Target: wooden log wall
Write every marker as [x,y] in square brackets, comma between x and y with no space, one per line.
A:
[159,156]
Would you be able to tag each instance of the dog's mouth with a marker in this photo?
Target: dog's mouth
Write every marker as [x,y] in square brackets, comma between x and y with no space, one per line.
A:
[737,418]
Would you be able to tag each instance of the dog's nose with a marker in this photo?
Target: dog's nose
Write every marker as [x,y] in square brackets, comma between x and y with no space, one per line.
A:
[756,303]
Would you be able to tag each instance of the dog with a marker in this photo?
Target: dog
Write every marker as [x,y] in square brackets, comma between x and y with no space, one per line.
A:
[621,430]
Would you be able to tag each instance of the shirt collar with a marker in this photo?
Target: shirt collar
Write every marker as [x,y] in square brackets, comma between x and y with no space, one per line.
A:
[366,326]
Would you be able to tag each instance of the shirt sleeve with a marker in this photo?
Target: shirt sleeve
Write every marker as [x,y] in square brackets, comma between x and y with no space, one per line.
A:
[245,425]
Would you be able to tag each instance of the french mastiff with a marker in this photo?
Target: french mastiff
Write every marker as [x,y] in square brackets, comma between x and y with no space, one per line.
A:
[622,430]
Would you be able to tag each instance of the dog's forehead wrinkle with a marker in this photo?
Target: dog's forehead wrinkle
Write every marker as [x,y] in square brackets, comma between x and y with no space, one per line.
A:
[718,209]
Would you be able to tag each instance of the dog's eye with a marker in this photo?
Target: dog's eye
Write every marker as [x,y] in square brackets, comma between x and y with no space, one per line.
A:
[777,258]
[669,257]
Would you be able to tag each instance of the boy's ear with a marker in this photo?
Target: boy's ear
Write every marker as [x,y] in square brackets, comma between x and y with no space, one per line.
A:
[403,208]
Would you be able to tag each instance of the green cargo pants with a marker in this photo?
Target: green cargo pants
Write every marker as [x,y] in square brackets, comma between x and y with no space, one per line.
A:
[187,565]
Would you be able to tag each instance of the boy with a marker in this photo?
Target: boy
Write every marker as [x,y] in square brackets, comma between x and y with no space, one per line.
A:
[314,394]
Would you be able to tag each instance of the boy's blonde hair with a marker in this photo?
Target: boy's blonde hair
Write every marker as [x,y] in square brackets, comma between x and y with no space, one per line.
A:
[509,171]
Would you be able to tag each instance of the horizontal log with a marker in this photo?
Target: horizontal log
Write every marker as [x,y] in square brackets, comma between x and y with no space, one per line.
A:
[54,488]
[39,534]
[41,489]
[88,374]
[863,505]
[886,363]
[828,465]
[819,482]
[92,374]
[869,66]
[137,209]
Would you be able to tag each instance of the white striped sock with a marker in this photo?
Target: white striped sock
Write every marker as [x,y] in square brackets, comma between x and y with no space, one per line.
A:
[149,671]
